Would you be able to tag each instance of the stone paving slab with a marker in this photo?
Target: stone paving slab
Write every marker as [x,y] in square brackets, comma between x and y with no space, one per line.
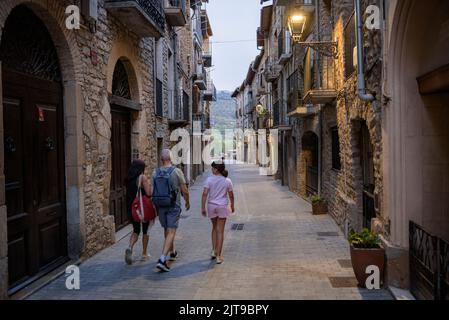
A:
[277,255]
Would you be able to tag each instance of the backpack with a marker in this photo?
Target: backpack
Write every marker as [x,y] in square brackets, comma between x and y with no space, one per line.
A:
[163,193]
[142,208]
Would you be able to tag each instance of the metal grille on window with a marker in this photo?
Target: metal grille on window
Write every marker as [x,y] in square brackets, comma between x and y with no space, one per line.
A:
[27,48]
[120,82]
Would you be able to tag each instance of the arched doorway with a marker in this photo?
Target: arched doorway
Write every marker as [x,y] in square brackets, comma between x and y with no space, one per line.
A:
[309,164]
[121,105]
[34,165]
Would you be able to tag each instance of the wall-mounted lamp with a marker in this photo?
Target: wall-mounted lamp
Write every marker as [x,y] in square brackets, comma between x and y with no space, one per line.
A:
[297,25]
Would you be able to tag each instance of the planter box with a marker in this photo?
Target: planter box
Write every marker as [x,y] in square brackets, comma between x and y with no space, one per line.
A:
[362,258]
[319,208]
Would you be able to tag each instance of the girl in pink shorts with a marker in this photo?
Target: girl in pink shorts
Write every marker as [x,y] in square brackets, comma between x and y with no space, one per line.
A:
[218,190]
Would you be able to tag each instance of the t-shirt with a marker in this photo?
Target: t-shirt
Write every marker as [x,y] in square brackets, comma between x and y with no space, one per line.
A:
[176,180]
[219,187]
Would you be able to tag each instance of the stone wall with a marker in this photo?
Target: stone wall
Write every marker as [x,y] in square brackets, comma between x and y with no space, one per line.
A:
[344,188]
[139,54]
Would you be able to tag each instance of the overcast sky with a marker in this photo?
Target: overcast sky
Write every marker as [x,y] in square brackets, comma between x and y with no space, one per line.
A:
[233,20]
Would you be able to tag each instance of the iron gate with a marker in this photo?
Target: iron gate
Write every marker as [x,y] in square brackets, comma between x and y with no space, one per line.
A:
[429,264]
[311,180]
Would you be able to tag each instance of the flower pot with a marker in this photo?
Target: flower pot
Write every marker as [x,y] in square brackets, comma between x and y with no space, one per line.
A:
[319,208]
[362,258]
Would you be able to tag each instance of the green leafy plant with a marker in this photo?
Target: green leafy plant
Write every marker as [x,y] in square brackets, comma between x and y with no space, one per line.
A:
[317,199]
[364,239]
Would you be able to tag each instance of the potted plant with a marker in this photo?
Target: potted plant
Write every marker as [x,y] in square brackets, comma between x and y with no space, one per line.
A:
[366,250]
[319,205]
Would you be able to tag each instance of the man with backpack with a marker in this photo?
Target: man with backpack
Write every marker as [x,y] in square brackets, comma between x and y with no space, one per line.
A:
[168,185]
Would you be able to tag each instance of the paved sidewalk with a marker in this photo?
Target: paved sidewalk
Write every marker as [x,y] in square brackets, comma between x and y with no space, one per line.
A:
[281,253]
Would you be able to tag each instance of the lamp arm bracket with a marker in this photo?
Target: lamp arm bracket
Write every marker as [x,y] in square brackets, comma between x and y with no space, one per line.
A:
[326,48]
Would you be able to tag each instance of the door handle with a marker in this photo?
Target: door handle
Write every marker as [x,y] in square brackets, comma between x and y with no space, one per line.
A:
[49,144]
[10,144]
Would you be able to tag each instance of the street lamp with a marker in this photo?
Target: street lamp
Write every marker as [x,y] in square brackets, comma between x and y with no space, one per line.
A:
[297,25]
[299,18]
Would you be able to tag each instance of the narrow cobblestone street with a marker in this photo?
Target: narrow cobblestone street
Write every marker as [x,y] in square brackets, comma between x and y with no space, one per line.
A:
[283,252]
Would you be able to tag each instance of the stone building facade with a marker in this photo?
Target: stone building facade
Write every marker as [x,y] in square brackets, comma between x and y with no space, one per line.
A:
[381,163]
[99,111]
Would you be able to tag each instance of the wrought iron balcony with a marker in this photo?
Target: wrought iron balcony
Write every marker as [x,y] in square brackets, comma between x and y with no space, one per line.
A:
[303,6]
[303,111]
[324,91]
[284,47]
[200,78]
[175,12]
[272,70]
[210,94]
[250,106]
[207,59]
[144,17]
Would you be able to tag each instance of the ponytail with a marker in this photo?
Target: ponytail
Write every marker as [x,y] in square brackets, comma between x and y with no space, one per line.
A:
[220,167]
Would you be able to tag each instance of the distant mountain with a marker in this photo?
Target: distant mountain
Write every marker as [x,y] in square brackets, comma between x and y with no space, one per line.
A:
[223,111]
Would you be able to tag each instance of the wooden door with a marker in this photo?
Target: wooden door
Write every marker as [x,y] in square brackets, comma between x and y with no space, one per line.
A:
[34,176]
[121,161]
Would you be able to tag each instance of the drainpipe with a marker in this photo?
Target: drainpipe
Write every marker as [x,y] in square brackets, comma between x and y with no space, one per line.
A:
[320,114]
[360,67]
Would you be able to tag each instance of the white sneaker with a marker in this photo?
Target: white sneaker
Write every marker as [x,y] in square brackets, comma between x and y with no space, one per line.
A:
[220,260]
[213,255]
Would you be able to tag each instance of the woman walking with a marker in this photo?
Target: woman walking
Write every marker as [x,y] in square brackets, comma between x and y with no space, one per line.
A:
[216,191]
[136,179]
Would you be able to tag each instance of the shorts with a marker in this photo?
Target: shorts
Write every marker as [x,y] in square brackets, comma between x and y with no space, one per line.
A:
[136,227]
[169,217]
[214,211]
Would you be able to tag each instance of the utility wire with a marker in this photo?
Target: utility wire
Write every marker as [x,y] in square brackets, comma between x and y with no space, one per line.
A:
[233,41]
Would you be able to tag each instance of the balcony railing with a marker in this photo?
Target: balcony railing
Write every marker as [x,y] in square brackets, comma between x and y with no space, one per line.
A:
[207,59]
[200,77]
[146,18]
[320,87]
[210,94]
[284,47]
[272,70]
[429,264]
[249,107]
[175,12]
[295,3]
